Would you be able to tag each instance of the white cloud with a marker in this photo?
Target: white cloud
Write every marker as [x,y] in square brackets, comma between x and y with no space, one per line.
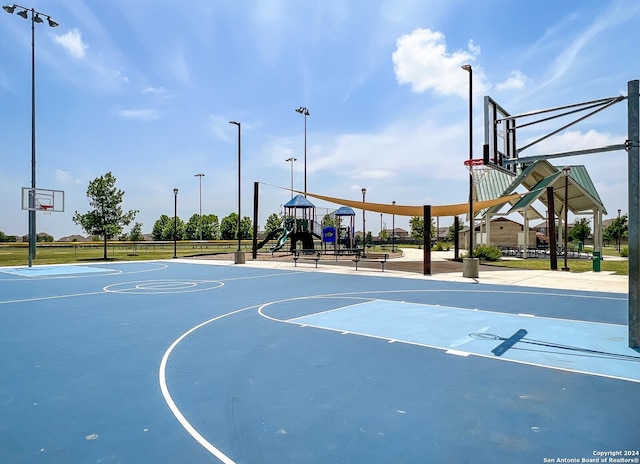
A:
[515,81]
[72,42]
[121,76]
[150,114]
[575,140]
[63,177]
[421,59]
[155,90]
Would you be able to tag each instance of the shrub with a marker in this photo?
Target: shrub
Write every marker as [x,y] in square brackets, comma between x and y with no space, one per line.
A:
[624,252]
[442,246]
[488,253]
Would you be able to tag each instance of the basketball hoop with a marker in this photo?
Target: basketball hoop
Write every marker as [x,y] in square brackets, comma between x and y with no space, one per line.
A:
[46,209]
[477,169]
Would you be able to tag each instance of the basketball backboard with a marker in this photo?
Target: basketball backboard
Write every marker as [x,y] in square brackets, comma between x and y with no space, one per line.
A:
[44,200]
[499,137]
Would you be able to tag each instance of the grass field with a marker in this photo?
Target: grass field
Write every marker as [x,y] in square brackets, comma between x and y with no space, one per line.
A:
[15,254]
[619,267]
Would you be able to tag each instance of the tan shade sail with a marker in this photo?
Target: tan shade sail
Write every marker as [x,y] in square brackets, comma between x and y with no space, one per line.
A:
[403,210]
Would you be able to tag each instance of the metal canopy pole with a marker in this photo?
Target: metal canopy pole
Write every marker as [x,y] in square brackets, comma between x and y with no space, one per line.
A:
[634,214]
[426,239]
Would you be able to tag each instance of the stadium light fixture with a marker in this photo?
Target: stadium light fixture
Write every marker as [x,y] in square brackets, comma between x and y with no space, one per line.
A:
[35,18]
[305,112]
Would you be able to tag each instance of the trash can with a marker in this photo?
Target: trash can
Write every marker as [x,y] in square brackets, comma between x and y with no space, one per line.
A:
[597,257]
[580,246]
[470,267]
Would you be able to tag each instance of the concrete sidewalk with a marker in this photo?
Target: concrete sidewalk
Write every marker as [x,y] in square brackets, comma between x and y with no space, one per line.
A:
[584,281]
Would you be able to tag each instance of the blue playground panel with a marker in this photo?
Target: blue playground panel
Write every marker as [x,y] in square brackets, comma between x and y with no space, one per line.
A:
[179,362]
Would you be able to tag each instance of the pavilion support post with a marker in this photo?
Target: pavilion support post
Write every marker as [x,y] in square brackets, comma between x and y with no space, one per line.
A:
[551,230]
[426,238]
[456,238]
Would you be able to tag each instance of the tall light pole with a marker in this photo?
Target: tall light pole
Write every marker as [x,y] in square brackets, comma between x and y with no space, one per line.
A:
[393,229]
[364,235]
[467,67]
[200,176]
[565,172]
[291,160]
[618,230]
[239,258]
[175,222]
[36,17]
[305,112]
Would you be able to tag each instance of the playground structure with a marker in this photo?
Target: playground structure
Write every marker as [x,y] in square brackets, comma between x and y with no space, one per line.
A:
[345,236]
[296,229]
[304,230]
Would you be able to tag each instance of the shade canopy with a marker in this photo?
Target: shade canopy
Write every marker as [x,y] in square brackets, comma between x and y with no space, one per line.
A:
[411,211]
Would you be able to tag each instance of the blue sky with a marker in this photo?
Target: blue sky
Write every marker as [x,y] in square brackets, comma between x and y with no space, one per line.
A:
[145,89]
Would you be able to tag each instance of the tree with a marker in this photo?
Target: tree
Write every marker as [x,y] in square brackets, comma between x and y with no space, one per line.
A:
[617,229]
[246,231]
[417,226]
[43,237]
[6,238]
[210,227]
[580,230]
[384,233]
[136,236]
[192,228]
[327,220]
[161,226]
[451,235]
[107,218]
[274,222]
[229,225]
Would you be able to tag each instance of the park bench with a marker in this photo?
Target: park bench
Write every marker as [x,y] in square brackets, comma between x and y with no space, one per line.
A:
[382,259]
[311,255]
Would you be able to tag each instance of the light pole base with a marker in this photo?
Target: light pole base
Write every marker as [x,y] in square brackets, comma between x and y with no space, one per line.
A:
[470,267]
[238,257]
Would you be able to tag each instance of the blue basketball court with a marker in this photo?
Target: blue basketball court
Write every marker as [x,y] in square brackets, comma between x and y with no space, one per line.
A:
[176,361]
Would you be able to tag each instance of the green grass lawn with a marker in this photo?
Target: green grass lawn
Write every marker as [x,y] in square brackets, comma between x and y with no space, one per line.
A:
[575,265]
[15,254]
[617,266]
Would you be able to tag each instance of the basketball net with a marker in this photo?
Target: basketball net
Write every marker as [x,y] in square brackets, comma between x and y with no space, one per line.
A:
[477,169]
[46,209]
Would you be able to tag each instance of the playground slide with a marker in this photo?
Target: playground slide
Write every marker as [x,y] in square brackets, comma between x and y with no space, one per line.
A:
[282,240]
[270,236]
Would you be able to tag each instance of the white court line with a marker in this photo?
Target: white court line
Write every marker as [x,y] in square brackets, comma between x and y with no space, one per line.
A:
[43,298]
[162,377]
[307,323]
[104,273]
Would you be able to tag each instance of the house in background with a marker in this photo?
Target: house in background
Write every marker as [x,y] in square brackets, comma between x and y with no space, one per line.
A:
[503,232]
[73,238]
[400,234]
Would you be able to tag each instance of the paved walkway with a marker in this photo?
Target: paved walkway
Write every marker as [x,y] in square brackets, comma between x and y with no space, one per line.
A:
[409,265]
